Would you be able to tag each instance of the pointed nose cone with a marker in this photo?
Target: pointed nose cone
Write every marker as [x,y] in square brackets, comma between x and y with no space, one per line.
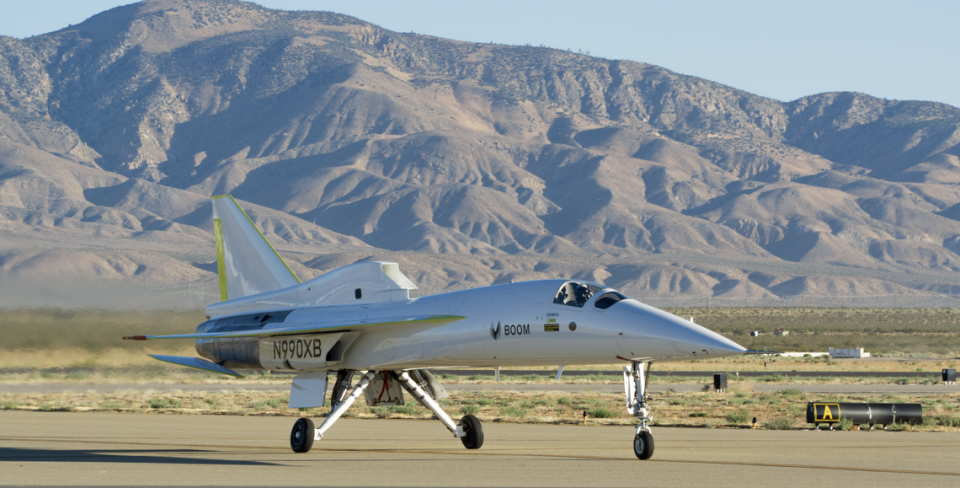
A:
[714,344]
[673,338]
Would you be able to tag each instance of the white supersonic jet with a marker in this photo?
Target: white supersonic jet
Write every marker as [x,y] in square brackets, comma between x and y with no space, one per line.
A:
[360,319]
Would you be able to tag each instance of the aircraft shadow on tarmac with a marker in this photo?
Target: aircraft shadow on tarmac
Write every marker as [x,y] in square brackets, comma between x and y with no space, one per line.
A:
[164,456]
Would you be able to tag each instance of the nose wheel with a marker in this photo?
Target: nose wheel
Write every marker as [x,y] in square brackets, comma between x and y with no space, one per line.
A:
[643,445]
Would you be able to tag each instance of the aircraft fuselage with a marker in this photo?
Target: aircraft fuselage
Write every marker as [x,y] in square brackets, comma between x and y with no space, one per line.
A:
[513,324]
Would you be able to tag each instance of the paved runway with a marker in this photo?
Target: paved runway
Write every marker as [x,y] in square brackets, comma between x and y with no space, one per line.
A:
[46,448]
[549,386]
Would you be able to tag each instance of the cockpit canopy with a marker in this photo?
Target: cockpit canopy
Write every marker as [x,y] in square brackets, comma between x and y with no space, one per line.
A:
[578,293]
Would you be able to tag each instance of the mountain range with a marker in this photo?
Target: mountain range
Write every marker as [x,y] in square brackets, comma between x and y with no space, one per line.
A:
[467,163]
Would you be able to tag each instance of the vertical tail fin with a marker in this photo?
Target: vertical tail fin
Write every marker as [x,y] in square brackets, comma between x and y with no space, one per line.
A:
[246,263]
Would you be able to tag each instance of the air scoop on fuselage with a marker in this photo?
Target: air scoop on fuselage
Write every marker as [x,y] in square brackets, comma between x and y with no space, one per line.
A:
[650,332]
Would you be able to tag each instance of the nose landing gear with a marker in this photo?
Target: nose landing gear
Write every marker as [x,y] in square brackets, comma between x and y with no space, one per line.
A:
[635,385]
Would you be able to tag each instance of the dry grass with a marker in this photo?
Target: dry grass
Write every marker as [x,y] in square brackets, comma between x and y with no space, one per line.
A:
[155,372]
[732,409]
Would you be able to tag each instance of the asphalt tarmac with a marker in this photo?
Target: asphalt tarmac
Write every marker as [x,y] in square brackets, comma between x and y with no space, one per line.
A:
[49,448]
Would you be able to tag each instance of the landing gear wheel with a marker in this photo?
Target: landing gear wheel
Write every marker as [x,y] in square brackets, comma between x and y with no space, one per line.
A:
[643,445]
[473,429]
[301,437]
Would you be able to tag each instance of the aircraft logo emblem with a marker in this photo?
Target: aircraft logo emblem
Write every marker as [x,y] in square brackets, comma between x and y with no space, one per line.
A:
[495,333]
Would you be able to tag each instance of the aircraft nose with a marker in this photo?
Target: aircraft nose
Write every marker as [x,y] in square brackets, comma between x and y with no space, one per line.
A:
[703,340]
[676,337]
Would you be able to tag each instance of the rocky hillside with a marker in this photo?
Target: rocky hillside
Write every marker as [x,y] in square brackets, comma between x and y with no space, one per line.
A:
[468,163]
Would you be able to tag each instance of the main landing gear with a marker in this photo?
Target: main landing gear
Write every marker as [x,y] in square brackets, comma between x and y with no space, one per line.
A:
[303,435]
[635,384]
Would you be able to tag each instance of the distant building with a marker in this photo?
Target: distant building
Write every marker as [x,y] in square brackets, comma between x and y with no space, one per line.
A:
[837,352]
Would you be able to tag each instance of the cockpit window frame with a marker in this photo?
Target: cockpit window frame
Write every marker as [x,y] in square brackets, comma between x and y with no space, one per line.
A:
[606,293]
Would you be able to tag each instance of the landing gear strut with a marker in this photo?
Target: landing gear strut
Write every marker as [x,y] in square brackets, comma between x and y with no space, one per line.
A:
[304,427]
[635,384]
[303,435]
[469,430]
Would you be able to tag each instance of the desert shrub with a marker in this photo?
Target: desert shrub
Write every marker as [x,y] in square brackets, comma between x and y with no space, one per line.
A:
[514,412]
[949,421]
[845,424]
[738,417]
[791,392]
[797,410]
[779,423]
[164,403]
[55,407]
[484,401]
[602,413]
[564,401]
[470,410]
[698,414]
[271,403]
[404,409]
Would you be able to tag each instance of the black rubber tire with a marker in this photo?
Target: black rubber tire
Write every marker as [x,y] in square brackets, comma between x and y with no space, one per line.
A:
[643,445]
[474,430]
[301,437]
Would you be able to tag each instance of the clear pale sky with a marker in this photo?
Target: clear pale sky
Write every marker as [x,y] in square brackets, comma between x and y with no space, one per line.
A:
[782,49]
